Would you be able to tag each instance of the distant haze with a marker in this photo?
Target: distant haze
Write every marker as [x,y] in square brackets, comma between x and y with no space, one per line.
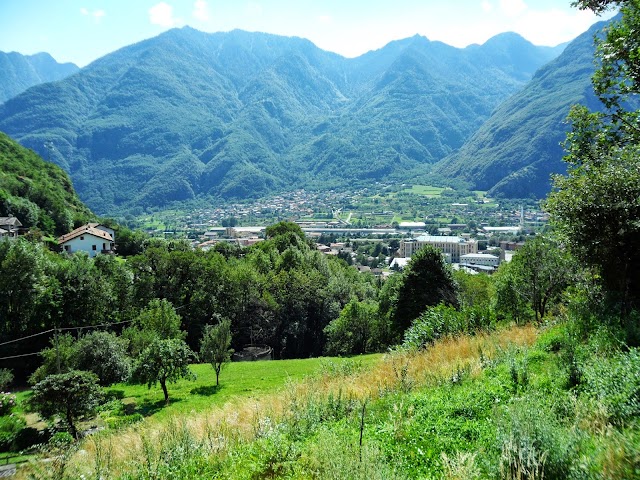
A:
[81,31]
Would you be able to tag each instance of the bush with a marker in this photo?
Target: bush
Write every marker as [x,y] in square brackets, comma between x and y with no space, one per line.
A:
[104,354]
[444,320]
[124,421]
[532,442]
[7,402]
[615,383]
[29,437]
[10,426]
[6,377]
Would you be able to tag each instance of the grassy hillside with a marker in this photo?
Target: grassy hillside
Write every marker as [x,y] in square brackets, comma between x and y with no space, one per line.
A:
[301,419]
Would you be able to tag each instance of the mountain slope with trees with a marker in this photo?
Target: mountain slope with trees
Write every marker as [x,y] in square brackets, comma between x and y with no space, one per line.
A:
[38,193]
[517,149]
[19,72]
[236,115]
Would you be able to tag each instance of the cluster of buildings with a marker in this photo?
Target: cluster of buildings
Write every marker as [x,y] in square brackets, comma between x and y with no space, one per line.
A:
[462,251]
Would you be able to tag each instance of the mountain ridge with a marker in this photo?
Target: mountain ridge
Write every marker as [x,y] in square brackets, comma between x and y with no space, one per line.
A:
[19,72]
[188,114]
[519,146]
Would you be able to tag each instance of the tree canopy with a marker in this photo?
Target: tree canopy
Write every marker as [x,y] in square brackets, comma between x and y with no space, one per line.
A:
[596,206]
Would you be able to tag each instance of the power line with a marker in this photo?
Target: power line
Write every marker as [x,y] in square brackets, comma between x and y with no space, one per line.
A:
[20,356]
[64,328]
[25,338]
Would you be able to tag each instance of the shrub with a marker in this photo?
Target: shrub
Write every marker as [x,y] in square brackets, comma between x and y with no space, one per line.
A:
[444,320]
[532,442]
[7,402]
[6,377]
[10,426]
[615,383]
[29,437]
[124,421]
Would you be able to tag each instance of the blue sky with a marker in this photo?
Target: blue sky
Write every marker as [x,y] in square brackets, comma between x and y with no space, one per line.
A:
[81,31]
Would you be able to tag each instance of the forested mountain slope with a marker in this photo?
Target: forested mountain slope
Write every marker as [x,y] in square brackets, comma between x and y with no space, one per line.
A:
[38,193]
[236,115]
[19,72]
[517,149]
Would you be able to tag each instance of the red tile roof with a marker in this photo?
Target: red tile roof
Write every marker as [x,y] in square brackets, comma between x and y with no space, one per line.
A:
[88,229]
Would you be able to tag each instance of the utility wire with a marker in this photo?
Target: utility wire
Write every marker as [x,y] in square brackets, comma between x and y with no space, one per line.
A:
[25,338]
[64,328]
[20,356]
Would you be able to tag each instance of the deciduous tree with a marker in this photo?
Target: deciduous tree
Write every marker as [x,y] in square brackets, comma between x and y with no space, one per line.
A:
[70,395]
[216,346]
[165,360]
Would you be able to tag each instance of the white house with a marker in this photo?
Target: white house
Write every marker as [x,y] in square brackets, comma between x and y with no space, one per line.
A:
[9,227]
[92,238]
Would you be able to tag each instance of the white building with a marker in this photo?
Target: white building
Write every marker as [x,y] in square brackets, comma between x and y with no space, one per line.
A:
[9,227]
[452,247]
[92,238]
[480,259]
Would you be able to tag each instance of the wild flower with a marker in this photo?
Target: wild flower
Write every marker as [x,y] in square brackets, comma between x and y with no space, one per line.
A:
[7,402]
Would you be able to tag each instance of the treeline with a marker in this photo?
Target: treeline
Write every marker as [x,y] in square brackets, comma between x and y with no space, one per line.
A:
[281,292]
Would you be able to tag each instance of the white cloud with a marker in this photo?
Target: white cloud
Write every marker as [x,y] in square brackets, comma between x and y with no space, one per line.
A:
[559,26]
[512,8]
[96,14]
[162,14]
[201,11]
[486,6]
[325,19]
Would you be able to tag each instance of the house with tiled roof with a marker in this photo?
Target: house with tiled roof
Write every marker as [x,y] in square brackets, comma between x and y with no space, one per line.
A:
[92,238]
[9,227]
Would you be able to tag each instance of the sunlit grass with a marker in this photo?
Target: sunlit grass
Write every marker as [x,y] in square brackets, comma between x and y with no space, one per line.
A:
[252,393]
[245,380]
[426,190]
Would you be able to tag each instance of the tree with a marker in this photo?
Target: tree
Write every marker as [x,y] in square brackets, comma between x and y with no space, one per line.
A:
[104,354]
[354,331]
[21,283]
[61,357]
[541,271]
[596,206]
[216,346]
[159,321]
[426,281]
[165,360]
[70,395]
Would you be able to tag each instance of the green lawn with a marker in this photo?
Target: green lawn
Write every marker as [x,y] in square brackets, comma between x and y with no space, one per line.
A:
[237,380]
[426,190]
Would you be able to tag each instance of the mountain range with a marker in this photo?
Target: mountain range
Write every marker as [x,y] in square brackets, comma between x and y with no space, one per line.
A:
[516,150]
[237,115]
[19,72]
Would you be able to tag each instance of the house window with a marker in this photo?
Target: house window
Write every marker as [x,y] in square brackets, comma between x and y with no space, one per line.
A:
[104,246]
[93,247]
[81,238]
[67,248]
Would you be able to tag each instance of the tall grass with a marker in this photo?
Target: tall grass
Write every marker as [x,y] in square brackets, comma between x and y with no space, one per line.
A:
[199,441]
